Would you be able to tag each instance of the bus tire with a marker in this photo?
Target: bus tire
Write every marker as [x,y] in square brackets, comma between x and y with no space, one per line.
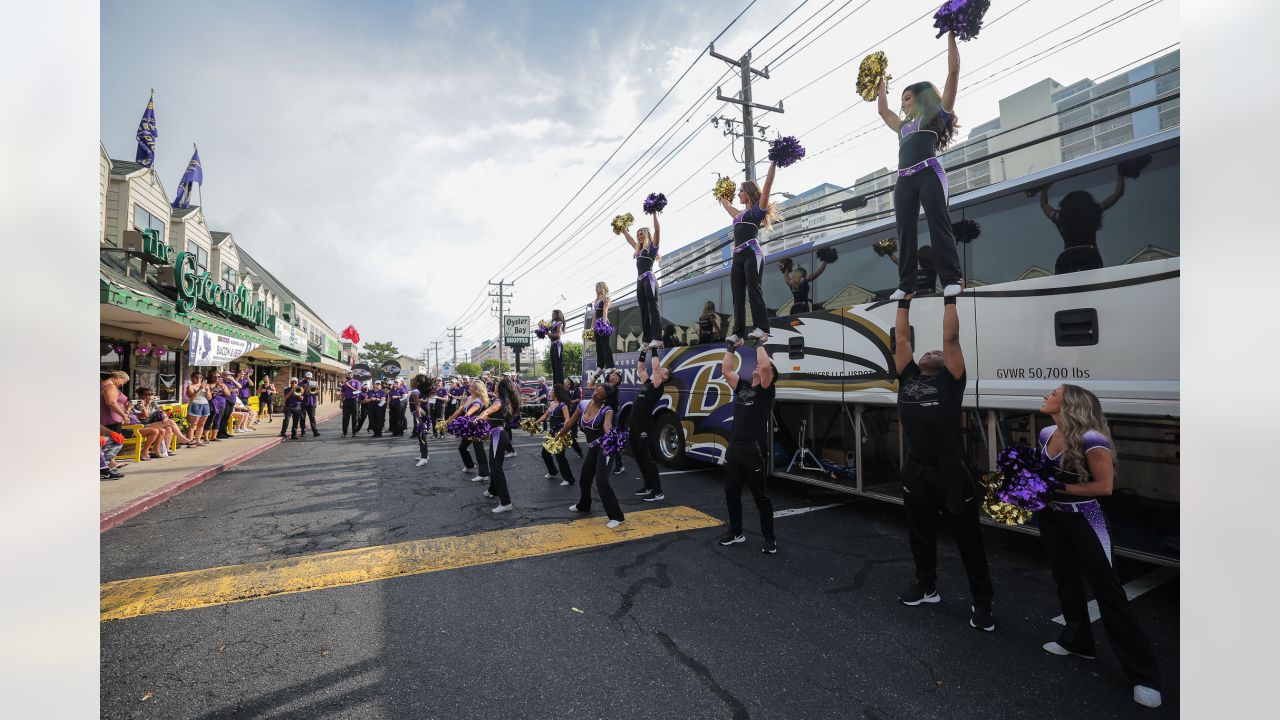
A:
[668,443]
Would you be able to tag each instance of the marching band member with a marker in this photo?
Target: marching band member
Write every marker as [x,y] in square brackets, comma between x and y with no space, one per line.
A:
[292,409]
[309,400]
[377,408]
[396,407]
[350,404]
[748,258]
[646,253]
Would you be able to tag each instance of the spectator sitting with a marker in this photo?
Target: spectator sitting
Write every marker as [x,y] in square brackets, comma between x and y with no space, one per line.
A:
[152,435]
[148,410]
[110,443]
[244,417]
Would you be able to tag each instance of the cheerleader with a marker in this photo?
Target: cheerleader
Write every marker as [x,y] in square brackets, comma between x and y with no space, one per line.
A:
[646,254]
[798,280]
[604,352]
[927,126]
[575,399]
[505,408]
[596,417]
[708,324]
[558,415]
[1078,539]
[478,401]
[420,397]
[748,257]
[1078,219]
[557,350]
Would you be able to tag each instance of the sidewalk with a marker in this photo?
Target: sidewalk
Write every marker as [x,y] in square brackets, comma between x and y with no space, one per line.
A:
[147,484]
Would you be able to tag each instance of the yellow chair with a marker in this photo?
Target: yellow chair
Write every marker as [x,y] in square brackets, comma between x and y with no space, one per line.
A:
[132,449]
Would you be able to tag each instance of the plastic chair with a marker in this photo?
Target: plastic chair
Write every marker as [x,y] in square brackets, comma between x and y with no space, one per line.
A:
[132,449]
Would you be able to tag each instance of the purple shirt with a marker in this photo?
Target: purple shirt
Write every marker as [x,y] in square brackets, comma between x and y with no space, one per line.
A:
[398,393]
[350,389]
[308,399]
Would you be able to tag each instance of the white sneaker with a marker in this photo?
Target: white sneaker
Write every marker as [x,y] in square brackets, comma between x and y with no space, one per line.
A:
[421,462]
[898,294]
[478,478]
[951,290]
[489,494]
[574,507]
[547,476]
[563,483]
[1146,697]
[467,470]
[615,523]
[1054,648]
[734,341]
[502,508]
[757,336]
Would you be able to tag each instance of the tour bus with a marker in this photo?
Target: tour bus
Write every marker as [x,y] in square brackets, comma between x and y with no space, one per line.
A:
[1024,330]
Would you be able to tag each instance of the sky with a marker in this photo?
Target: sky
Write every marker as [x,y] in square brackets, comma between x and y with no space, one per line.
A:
[387,160]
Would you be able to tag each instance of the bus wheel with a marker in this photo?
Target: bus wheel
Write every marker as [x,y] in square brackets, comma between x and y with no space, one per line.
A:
[669,442]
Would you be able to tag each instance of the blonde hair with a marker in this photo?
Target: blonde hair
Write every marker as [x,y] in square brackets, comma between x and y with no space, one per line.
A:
[478,390]
[602,289]
[119,375]
[771,214]
[1081,412]
[648,237]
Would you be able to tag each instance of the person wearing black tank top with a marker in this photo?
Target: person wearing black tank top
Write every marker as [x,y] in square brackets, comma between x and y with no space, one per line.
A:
[798,280]
[935,478]
[748,446]
[748,258]
[604,343]
[927,127]
[505,407]
[596,417]
[1078,219]
[646,254]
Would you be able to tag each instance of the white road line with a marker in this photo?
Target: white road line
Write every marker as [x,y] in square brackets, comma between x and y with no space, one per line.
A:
[802,510]
[683,472]
[1132,589]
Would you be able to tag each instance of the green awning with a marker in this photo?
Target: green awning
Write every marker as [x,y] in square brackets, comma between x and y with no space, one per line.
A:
[312,356]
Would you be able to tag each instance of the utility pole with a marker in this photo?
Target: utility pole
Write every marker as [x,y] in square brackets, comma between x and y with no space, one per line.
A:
[744,99]
[500,302]
[453,335]
[436,367]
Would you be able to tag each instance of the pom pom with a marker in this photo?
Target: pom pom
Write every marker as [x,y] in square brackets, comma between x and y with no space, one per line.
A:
[827,254]
[966,230]
[1021,485]
[962,17]
[554,443]
[442,427]
[871,72]
[654,203]
[542,329]
[785,265]
[622,222]
[1132,167]
[469,427]
[588,335]
[531,426]
[601,327]
[887,246]
[725,189]
[612,442]
[785,151]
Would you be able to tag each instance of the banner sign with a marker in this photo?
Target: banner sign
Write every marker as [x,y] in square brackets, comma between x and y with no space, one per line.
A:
[515,331]
[390,370]
[362,372]
[206,349]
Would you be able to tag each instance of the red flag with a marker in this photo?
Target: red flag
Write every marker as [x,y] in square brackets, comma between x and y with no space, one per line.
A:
[351,334]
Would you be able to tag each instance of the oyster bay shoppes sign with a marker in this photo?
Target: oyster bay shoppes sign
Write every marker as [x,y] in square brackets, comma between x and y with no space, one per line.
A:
[198,288]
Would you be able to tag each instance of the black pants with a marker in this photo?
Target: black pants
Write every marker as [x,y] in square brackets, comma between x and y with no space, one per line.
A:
[364,415]
[744,280]
[294,414]
[604,351]
[310,415]
[497,446]
[558,464]
[945,488]
[377,418]
[397,418]
[1077,258]
[224,420]
[557,363]
[744,464]
[642,450]
[650,318]
[910,193]
[350,413]
[1079,545]
[596,467]
[482,456]
[434,417]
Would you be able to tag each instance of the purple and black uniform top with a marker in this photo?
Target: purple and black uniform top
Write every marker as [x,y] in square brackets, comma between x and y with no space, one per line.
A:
[746,230]
[917,148]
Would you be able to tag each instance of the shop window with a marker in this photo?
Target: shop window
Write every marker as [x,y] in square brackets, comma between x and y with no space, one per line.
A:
[113,354]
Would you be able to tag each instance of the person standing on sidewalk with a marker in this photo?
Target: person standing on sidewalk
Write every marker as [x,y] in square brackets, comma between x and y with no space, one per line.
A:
[748,441]
[311,394]
[350,403]
[266,389]
[642,428]
[292,409]
[396,407]
[935,478]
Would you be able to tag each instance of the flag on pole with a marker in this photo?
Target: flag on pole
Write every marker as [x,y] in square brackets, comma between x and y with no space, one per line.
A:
[147,134]
[351,334]
[194,174]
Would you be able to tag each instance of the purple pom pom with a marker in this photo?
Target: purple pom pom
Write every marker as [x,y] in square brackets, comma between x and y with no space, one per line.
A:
[1028,478]
[962,17]
[612,442]
[966,230]
[602,327]
[654,203]
[827,254]
[1132,167]
[785,151]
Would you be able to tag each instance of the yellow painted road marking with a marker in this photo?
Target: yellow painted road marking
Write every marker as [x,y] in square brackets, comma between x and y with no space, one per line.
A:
[236,583]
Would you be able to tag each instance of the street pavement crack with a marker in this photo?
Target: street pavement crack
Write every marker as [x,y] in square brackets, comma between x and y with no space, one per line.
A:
[735,705]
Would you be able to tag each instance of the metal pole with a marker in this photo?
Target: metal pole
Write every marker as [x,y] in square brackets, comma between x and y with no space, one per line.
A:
[748,128]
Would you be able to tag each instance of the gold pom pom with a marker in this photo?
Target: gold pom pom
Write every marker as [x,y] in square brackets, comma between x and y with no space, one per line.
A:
[622,222]
[531,426]
[440,427]
[886,246]
[589,335]
[554,444]
[1001,512]
[871,72]
[725,188]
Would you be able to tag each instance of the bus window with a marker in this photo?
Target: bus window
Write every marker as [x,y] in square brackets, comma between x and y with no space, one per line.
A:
[859,275]
[777,294]
[681,309]
[626,323]
[1079,222]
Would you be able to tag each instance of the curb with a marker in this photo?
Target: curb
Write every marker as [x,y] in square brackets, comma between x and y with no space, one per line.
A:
[139,505]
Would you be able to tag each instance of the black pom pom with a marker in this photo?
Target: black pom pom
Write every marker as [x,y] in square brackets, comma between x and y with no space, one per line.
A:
[966,230]
[827,254]
[785,265]
[1132,167]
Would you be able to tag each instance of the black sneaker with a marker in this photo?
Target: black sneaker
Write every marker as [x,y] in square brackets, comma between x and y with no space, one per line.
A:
[916,595]
[641,491]
[770,547]
[654,496]
[729,538]
[980,617]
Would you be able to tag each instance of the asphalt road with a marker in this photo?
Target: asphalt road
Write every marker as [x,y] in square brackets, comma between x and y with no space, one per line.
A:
[668,627]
